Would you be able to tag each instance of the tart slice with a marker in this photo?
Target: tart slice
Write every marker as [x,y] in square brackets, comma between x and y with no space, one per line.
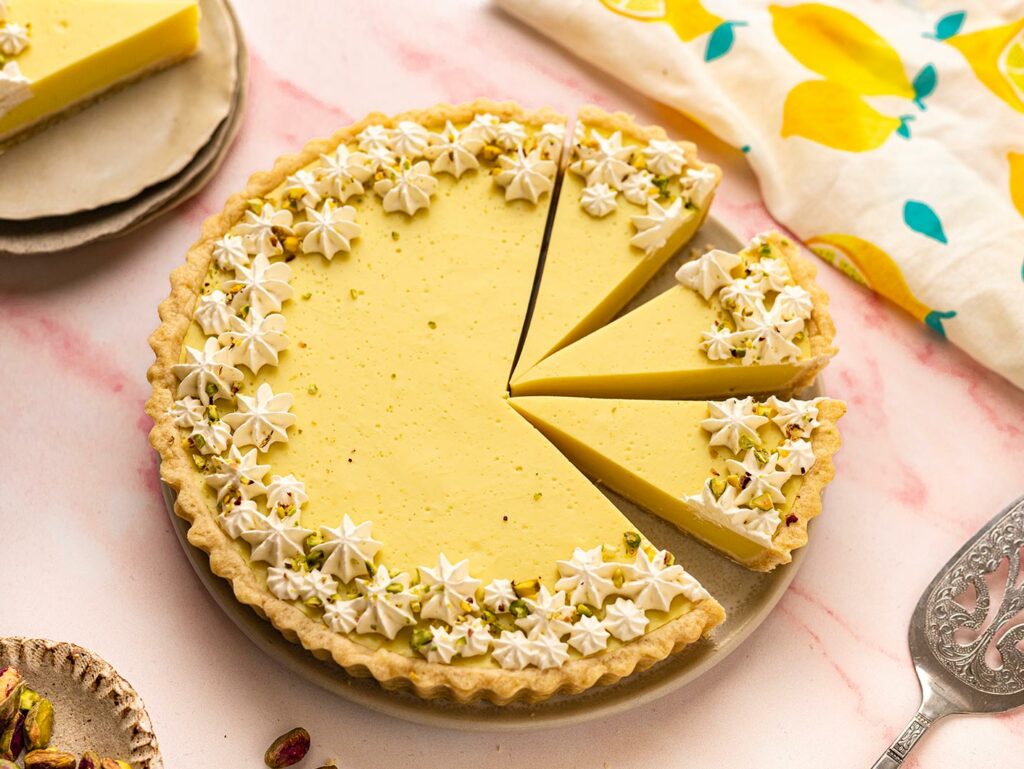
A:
[331,408]
[58,55]
[744,477]
[630,198]
[752,322]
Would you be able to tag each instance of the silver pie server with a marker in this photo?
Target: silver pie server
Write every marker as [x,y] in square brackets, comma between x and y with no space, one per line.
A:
[969,659]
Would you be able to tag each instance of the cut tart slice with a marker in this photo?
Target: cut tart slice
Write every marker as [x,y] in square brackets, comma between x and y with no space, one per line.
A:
[742,476]
[753,322]
[629,200]
[58,55]
[330,400]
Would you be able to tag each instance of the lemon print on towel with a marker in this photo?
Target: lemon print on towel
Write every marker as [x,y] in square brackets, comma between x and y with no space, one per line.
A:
[855,62]
[995,54]
[1017,180]
[870,266]
[688,18]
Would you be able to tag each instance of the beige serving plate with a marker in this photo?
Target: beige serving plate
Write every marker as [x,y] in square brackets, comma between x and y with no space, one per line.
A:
[129,140]
[61,233]
[748,598]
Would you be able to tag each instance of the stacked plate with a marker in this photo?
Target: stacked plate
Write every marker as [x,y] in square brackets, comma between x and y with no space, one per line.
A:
[131,157]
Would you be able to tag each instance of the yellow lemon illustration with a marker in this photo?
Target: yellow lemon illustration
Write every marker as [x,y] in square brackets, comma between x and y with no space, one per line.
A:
[834,115]
[997,57]
[688,18]
[1017,180]
[866,263]
[841,48]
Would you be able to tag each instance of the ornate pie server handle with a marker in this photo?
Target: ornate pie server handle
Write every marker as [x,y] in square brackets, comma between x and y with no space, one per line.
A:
[902,745]
[933,707]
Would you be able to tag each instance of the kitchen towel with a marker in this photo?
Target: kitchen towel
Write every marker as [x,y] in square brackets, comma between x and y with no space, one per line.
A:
[887,135]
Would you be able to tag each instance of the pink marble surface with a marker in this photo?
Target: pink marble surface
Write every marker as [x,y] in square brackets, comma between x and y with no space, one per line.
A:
[933,448]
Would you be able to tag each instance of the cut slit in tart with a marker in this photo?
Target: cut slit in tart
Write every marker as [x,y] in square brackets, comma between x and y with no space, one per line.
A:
[755,322]
[331,408]
[742,476]
[630,199]
[74,51]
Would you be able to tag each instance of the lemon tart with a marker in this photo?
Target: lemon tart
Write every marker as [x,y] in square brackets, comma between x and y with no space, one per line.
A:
[752,322]
[744,477]
[58,55]
[331,407]
[631,198]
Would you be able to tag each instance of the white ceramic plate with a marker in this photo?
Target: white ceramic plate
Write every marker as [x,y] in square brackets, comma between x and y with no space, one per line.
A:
[131,139]
[748,598]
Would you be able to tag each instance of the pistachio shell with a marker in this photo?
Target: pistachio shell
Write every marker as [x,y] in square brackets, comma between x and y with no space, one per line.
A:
[89,760]
[11,686]
[49,759]
[39,725]
[290,748]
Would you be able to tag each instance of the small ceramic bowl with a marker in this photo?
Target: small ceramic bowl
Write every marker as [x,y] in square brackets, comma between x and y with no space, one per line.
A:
[95,708]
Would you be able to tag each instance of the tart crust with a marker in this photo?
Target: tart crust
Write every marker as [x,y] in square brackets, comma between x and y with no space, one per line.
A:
[807,505]
[395,671]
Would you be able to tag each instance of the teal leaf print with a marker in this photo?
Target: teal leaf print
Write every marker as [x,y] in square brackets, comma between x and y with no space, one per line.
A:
[924,85]
[921,218]
[904,129]
[934,320]
[721,40]
[948,26]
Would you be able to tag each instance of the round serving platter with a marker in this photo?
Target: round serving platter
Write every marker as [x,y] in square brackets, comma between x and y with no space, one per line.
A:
[51,234]
[748,597]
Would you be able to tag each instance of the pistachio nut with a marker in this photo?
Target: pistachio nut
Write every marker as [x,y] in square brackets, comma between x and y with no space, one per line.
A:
[39,725]
[89,760]
[114,763]
[28,699]
[49,759]
[5,764]
[12,740]
[290,748]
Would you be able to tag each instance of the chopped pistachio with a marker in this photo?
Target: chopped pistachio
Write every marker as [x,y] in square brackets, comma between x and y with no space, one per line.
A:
[733,480]
[312,389]
[255,205]
[199,460]
[717,486]
[762,455]
[526,587]
[213,413]
[394,587]
[518,609]
[314,539]
[746,442]
[584,610]
[632,540]
[211,389]
[421,637]
[762,502]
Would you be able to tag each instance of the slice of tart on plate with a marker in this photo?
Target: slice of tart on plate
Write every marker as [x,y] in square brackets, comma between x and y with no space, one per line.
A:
[59,55]
[752,322]
[630,199]
[745,477]
[330,398]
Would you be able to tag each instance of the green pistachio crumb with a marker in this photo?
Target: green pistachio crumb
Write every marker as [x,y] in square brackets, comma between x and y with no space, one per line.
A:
[518,609]
[421,637]
[632,540]
[312,389]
